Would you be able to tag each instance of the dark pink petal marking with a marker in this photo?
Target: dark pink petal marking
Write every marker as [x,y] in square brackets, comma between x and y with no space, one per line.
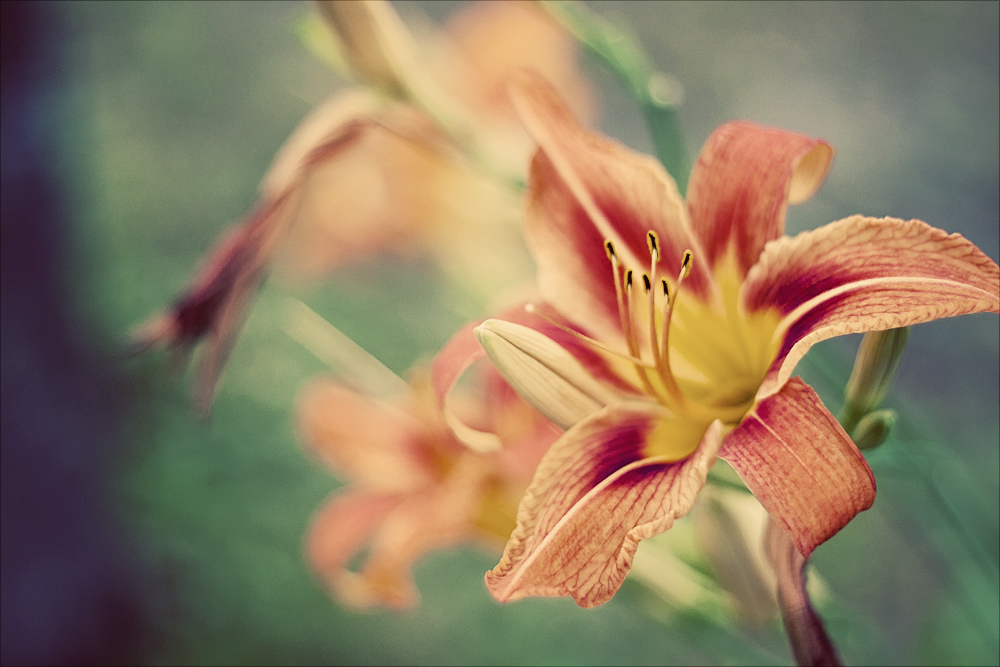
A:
[863,274]
[585,189]
[794,270]
[592,500]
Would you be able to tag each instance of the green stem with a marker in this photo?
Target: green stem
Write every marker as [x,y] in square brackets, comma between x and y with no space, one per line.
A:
[657,95]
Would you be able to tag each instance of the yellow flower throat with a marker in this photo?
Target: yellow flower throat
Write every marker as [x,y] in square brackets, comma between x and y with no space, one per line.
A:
[701,363]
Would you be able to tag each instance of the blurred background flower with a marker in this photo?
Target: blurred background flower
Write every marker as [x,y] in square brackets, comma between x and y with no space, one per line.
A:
[134,133]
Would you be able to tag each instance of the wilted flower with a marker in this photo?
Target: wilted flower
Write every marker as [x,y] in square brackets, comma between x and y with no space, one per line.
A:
[692,316]
[365,173]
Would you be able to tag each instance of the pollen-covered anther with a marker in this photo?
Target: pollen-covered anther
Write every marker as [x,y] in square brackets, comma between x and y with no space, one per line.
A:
[685,265]
[654,246]
[609,249]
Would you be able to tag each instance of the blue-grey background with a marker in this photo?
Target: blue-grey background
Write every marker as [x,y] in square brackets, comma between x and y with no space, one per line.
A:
[134,133]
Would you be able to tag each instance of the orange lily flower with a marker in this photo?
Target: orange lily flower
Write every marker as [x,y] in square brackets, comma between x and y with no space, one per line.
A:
[412,486]
[669,333]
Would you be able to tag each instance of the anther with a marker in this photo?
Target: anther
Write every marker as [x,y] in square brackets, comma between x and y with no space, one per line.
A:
[663,349]
[628,280]
[685,265]
[609,248]
[645,283]
[654,248]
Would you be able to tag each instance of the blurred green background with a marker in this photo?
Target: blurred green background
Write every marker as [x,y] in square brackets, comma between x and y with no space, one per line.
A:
[133,133]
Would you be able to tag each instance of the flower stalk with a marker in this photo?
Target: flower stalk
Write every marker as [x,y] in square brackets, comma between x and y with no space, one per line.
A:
[658,94]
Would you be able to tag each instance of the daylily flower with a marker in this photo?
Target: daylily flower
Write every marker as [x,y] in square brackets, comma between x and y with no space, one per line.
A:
[680,324]
[368,173]
[412,487]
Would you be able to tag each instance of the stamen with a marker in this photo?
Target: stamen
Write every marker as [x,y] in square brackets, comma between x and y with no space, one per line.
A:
[654,257]
[668,313]
[633,348]
[653,344]
[531,308]
[642,368]
[629,334]
[623,306]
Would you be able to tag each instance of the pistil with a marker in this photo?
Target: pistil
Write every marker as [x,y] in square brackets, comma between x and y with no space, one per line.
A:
[609,248]
[597,345]
[654,259]
[663,359]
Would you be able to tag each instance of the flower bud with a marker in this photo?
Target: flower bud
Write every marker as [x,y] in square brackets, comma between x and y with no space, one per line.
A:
[542,372]
[874,366]
[371,40]
[873,429]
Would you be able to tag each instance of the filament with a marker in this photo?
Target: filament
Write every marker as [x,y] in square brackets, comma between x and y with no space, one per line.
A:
[531,308]
[668,312]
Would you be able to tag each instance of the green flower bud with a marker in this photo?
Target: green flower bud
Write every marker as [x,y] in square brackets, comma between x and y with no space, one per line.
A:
[874,366]
[874,429]
[371,40]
